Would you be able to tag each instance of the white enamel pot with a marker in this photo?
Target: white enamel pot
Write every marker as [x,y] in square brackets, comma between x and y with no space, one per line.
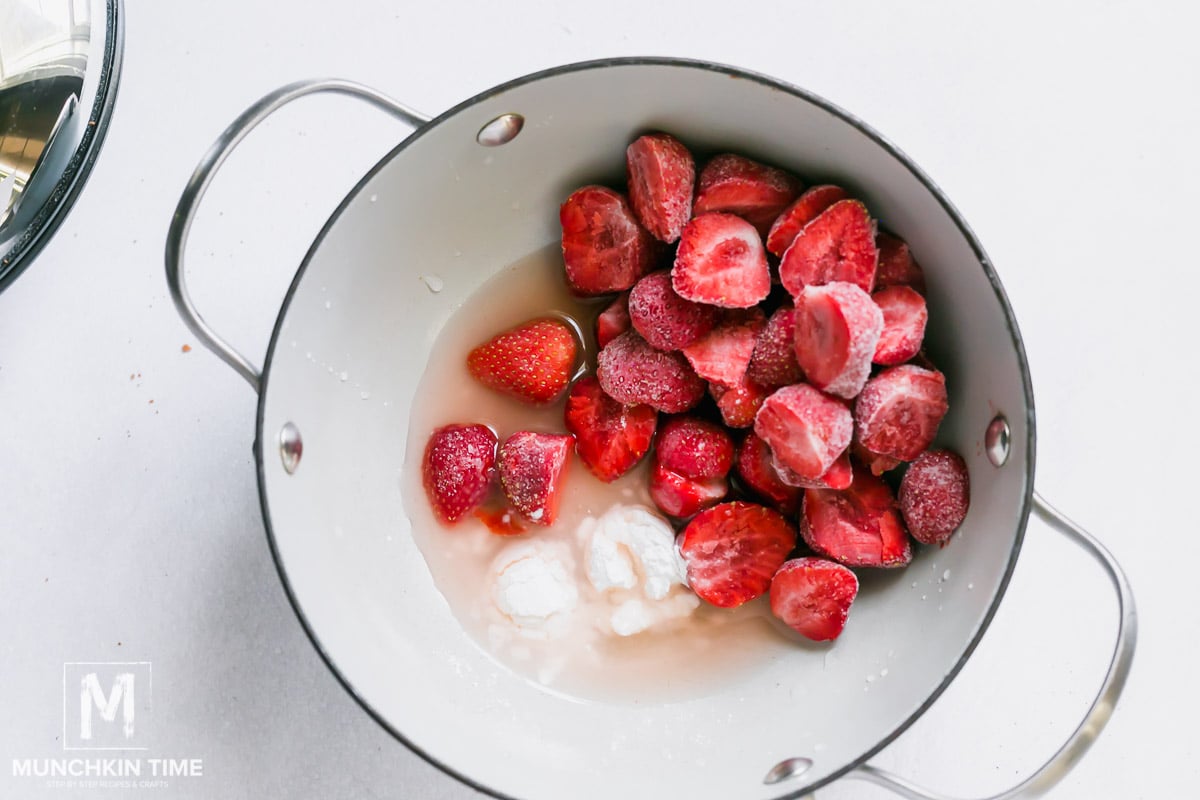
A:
[471,191]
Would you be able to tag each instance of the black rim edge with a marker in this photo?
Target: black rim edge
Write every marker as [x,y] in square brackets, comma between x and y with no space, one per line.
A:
[858,124]
[79,168]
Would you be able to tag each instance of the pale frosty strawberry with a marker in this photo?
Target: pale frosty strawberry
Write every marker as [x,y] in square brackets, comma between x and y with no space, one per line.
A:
[662,177]
[813,596]
[663,318]
[837,331]
[839,245]
[774,363]
[904,319]
[859,526]
[723,355]
[721,261]
[457,469]
[807,430]
[604,248]
[695,448]
[632,372]
[755,192]
[935,494]
[732,550]
[899,411]
[532,467]
[793,218]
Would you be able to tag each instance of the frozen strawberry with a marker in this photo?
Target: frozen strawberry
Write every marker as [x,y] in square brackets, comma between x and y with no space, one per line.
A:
[904,318]
[897,267]
[755,468]
[679,496]
[613,320]
[899,411]
[632,373]
[604,248]
[532,466]
[837,330]
[839,245]
[876,463]
[736,185]
[813,596]
[722,355]
[609,437]
[532,362]
[694,448]
[838,476]
[739,404]
[732,550]
[773,363]
[721,261]
[662,176]
[457,469]
[806,208]
[663,318]
[500,521]
[807,430]
[934,496]
[859,526]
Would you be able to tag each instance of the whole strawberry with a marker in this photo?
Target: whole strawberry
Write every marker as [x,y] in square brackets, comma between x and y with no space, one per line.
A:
[532,362]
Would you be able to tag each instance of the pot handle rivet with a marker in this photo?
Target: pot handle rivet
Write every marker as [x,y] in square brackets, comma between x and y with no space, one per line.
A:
[291,447]
[997,440]
[501,130]
[788,768]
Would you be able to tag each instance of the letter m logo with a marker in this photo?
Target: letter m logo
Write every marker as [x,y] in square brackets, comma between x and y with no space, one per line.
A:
[106,706]
[91,695]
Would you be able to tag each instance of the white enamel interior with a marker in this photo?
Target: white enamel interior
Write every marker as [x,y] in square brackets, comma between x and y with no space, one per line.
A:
[446,206]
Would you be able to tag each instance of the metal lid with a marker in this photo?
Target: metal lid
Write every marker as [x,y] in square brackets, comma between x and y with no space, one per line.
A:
[59,61]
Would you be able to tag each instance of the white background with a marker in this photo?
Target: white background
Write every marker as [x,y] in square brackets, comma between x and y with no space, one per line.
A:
[129,529]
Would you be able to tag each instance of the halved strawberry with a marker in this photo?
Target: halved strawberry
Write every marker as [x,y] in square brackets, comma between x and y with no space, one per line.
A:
[613,320]
[807,430]
[897,267]
[680,496]
[859,526]
[806,208]
[904,318]
[604,248]
[839,476]
[839,245]
[610,438]
[695,448]
[899,411]
[935,494]
[663,318]
[813,597]
[662,176]
[500,521]
[721,261]
[755,468]
[531,362]
[739,404]
[774,361]
[723,354]
[733,549]
[532,466]
[457,469]
[755,192]
[837,330]
[632,372]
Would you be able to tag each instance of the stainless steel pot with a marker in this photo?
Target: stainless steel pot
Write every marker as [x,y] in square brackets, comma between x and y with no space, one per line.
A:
[328,462]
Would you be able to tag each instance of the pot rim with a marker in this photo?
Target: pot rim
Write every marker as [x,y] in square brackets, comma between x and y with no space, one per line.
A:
[733,72]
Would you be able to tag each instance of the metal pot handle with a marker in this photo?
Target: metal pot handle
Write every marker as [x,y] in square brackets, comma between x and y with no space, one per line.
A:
[1061,762]
[202,177]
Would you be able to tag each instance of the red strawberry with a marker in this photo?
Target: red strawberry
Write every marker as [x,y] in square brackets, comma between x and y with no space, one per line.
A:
[753,191]
[859,526]
[723,355]
[609,437]
[663,318]
[500,521]
[604,248]
[682,497]
[739,404]
[876,463]
[813,596]
[839,476]
[532,362]
[839,245]
[755,468]
[935,494]
[721,261]
[896,264]
[694,448]
[774,361]
[807,430]
[613,320]
[899,411]
[632,372]
[733,549]
[532,466]
[800,213]
[904,318]
[457,469]
[837,330]
[662,176]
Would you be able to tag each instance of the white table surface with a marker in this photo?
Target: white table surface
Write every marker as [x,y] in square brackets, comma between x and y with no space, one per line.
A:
[129,520]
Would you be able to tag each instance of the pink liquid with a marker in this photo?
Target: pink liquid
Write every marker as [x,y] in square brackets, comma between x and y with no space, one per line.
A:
[685,659]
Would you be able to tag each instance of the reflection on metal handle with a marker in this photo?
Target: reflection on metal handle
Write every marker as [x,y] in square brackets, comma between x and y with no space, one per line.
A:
[202,177]
[1060,764]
